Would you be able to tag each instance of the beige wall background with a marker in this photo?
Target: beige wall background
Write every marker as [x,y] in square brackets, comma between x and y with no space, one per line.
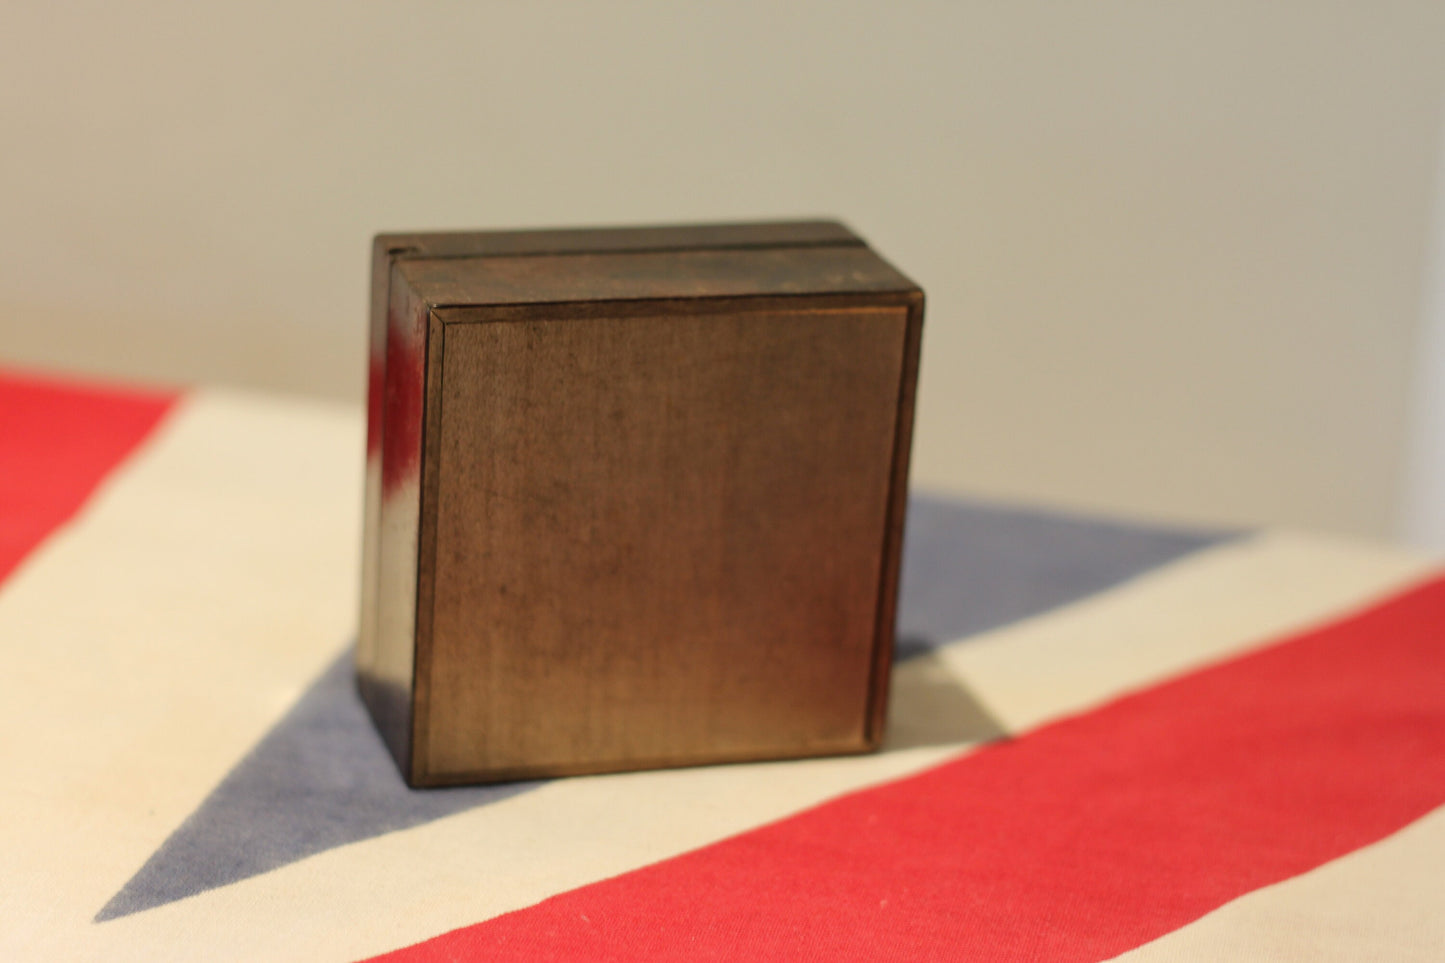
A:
[1176,254]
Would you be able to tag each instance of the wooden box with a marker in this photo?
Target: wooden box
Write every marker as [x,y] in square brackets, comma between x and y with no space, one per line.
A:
[634,497]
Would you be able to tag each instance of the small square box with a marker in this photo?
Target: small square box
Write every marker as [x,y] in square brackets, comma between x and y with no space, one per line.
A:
[634,497]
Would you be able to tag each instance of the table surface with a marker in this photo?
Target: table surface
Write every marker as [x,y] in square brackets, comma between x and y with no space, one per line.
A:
[1106,739]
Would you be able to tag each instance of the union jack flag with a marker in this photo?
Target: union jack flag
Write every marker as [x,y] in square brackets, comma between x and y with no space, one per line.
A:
[1108,740]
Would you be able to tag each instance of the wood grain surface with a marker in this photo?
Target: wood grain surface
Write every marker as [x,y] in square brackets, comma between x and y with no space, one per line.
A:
[637,507]
[657,535]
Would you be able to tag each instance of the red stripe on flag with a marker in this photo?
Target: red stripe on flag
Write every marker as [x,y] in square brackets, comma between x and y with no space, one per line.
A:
[57,443]
[1076,842]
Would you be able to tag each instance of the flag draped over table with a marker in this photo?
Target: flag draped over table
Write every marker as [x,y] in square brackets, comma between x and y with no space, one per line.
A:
[1106,740]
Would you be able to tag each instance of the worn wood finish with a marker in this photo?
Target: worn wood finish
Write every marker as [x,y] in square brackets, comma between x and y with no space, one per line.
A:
[635,497]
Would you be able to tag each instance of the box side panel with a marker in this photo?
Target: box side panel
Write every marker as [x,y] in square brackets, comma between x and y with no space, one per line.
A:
[426,553]
[659,537]
[375,391]
[893,531]
[385,664]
